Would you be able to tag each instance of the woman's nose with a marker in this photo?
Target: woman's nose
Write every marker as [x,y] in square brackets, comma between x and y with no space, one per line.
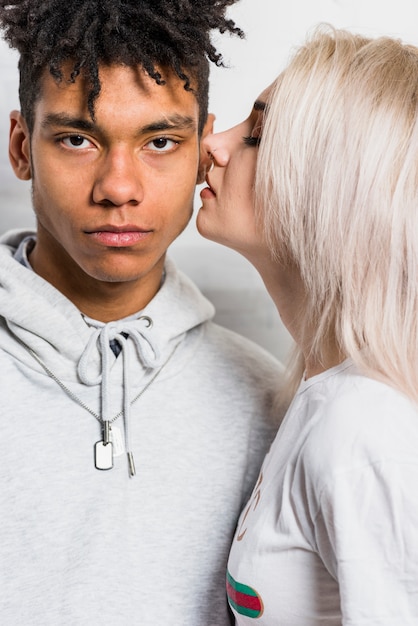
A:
[216,147]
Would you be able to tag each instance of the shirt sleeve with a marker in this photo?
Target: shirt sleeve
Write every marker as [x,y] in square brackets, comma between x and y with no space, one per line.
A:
[367,536]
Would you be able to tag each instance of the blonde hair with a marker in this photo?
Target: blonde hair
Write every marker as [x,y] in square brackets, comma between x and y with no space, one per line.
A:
[337,190]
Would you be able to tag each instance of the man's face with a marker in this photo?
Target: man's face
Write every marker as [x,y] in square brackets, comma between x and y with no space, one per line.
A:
[110,195]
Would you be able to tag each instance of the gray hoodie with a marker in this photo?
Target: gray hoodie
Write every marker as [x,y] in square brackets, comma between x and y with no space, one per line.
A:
[191,401]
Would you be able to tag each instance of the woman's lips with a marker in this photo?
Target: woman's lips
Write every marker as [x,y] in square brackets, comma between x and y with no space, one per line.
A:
[207,192]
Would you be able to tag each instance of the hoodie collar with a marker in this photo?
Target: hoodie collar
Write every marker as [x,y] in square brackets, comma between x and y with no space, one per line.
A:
[48,323]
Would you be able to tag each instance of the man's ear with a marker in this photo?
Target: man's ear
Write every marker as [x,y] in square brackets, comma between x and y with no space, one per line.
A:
[19,146]
[205,161]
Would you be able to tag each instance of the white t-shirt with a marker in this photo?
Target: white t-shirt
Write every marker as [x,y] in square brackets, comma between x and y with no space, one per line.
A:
[330,535]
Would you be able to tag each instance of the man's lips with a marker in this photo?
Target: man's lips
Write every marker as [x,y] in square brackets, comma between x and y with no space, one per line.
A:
[118,236]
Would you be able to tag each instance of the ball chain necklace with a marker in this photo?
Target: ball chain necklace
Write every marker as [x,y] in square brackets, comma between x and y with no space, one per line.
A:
[103,449]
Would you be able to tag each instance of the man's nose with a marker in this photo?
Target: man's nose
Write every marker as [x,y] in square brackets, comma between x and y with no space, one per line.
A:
[118,179]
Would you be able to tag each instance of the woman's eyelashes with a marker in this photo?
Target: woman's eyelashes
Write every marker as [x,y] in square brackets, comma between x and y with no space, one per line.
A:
[252,141]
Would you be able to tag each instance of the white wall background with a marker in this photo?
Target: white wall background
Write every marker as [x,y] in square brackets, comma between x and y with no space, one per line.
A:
[273,28]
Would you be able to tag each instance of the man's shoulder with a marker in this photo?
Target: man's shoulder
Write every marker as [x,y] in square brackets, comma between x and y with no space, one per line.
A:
[228,344]
[247,370]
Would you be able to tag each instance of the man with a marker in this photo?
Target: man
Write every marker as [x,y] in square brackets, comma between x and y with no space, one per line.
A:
[133,427]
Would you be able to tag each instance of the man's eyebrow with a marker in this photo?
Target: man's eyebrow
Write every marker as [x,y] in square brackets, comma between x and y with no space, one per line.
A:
[171,122]
[259,105]
[68,121]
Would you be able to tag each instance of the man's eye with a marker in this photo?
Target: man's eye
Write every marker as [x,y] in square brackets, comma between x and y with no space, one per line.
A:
[162,144]
[76,141]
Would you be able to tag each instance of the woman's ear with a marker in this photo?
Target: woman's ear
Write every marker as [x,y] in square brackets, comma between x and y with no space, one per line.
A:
[19,146]
[205,161]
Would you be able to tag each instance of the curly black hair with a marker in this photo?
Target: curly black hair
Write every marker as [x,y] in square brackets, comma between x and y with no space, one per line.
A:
[173,34]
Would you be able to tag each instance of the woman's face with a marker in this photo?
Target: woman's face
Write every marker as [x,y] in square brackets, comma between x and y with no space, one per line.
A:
[227,212]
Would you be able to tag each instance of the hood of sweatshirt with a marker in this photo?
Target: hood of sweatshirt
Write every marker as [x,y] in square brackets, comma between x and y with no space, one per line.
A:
[46,324]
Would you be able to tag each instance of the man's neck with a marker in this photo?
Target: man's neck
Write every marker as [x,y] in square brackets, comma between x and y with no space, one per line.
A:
[113,301]
[103,301]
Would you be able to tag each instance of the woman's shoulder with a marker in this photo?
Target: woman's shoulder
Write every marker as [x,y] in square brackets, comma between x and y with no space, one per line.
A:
[358,420]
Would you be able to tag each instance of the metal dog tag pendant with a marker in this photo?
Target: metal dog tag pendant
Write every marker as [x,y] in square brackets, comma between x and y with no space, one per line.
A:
[103,455]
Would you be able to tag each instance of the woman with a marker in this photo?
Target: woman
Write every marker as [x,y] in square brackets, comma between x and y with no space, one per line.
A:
[330,535]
